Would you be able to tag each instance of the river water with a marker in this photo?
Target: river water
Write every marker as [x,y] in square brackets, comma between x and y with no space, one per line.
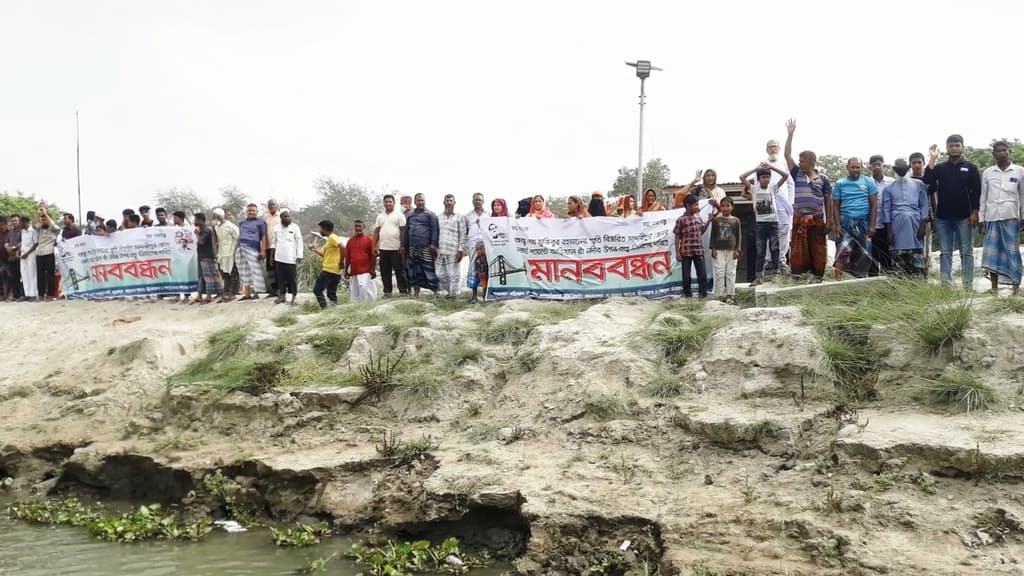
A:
[30,550]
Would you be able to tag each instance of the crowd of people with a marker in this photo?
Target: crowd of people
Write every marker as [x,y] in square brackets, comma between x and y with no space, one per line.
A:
[880,224]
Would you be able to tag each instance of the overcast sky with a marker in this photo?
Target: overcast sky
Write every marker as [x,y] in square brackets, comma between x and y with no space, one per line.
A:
[509,99]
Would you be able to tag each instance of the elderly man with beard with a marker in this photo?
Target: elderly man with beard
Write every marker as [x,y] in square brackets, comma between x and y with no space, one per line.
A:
[783,201]
[227,244]
[287,245]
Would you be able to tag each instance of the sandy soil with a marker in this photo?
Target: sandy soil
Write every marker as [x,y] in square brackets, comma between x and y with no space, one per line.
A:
[733,474]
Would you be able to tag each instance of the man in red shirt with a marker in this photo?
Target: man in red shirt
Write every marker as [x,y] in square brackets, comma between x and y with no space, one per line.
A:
[360,266]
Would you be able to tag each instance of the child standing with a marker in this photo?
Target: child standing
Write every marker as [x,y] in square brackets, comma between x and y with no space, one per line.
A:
[725,250]
[688,232]
[765,196]
[480,268]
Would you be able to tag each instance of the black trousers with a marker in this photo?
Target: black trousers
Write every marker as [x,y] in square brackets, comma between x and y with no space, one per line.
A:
[46,279]
[287,278]
[881,255]
[326,281]
[272,282]
[702,275]
[391,260]
[14,277]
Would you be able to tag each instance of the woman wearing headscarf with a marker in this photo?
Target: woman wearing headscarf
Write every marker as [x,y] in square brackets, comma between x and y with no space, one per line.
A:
[627,207]
[651,203]
[597,205]
[524,207]
[705,187]
[575,208]
[537,209]
[498,208]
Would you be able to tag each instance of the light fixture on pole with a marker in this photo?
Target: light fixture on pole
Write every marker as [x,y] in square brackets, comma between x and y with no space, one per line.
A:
[643,72]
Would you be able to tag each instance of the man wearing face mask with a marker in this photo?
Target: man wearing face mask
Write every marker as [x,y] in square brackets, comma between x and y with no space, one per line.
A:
[905,215]
[956,185]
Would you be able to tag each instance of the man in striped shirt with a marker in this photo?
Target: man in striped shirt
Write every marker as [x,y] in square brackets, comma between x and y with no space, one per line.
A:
[812,200]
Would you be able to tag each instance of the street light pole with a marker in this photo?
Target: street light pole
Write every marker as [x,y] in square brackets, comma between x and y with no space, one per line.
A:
[643,72]
[78,169]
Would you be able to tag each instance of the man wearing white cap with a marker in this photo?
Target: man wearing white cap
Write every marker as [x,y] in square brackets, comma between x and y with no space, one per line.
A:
[227,243]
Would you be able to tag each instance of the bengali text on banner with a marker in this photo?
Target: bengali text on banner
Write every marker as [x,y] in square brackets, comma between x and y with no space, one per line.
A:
[566,259]
[137,262]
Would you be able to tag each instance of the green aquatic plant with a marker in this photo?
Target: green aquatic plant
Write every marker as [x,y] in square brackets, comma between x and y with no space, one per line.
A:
[300,535]
[394,558]
[145,523]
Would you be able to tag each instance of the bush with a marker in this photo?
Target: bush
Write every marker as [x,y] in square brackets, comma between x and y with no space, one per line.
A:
[962,391]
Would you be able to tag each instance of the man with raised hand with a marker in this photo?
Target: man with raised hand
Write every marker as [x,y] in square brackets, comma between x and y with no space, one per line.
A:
[812,209]
[956,185]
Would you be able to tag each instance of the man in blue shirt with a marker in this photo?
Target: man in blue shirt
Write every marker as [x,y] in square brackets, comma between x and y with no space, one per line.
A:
[855,208]
[252,250]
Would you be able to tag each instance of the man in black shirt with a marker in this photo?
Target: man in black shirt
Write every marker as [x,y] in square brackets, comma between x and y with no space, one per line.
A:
[956,188]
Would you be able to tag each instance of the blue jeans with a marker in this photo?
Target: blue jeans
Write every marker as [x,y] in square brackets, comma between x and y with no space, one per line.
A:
[955,234]
[767,235]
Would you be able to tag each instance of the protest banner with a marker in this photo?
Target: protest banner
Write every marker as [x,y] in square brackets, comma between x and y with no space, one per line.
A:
[573,258]
[137,262]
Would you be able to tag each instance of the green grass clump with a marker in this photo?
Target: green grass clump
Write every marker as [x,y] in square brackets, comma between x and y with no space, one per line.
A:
[511,331]
[285,320]
[130,352]
[332,345]
[941,326]
[666,386]
[933,316]
[679,337]
[605,406]
[963,391]
[227,343]
[460,354]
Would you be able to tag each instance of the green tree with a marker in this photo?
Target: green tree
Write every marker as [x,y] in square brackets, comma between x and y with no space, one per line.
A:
[833,166]
[233,200]
[656,175]
[174,199]
[19,203]
[341,203]
[558,205]
[983,156]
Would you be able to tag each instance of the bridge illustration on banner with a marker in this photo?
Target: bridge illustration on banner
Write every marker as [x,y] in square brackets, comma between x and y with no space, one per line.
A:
[504,269]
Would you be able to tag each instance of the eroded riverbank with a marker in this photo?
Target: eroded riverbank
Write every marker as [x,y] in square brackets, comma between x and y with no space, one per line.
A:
[733,441]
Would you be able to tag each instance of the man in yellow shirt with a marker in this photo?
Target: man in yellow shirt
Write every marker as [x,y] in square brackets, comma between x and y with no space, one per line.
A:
[333,253]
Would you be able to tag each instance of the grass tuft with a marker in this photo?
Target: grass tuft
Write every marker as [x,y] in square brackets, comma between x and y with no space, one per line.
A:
[227,343]
[332,345]
[962,391]
[666,386]
[461,354]
[285,320]
[511,331]
[680,337]
[130,352]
